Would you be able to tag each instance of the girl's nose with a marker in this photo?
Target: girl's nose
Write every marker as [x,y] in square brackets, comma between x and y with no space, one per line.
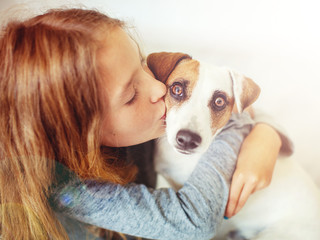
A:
[158,90]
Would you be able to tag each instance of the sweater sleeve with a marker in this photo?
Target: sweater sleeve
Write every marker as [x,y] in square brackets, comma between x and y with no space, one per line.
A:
[194,212]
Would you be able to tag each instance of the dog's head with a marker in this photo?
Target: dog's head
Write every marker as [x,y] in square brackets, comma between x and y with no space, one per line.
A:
[200,98]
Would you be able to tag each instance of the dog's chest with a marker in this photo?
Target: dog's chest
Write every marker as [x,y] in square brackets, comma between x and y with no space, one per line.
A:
[175,167]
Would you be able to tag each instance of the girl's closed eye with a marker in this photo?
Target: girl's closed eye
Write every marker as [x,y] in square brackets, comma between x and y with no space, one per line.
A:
[133,99]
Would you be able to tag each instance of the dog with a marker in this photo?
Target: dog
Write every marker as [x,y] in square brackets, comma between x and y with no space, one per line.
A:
[200,100]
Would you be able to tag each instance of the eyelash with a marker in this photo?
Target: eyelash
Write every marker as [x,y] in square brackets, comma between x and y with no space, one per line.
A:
[133,99]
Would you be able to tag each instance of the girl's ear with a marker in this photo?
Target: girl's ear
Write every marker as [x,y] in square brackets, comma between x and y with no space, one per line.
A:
[163,63]
[245,90]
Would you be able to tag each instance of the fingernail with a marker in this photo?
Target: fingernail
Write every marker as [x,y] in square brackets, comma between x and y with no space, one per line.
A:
[226,218]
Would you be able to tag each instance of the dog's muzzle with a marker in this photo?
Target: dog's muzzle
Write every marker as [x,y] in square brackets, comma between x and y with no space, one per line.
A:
[187,141]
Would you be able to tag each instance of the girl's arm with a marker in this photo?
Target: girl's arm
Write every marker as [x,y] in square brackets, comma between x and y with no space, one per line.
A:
[194,212]
[255,166]
[256,162]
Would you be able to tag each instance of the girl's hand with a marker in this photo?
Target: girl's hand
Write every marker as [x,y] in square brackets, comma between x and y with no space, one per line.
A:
[255,166]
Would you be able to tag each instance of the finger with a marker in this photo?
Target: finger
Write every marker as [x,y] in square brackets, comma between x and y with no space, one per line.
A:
[235,191]
[247,190]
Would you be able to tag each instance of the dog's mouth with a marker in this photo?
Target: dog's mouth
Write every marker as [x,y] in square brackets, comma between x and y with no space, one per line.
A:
[183,151]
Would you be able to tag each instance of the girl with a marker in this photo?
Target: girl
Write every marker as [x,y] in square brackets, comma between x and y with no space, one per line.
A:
[74,92]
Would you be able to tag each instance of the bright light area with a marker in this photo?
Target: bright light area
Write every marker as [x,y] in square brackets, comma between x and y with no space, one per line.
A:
[276,43]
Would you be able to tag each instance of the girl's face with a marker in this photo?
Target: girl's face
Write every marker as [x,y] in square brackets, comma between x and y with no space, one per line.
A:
[134,108]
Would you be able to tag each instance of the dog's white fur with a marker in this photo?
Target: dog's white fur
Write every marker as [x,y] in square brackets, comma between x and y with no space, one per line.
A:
[199,119]
[288,209]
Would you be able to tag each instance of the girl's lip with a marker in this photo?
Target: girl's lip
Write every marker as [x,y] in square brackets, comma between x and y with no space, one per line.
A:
[164,115]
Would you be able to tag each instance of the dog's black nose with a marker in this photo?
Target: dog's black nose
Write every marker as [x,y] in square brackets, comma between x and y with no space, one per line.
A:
[187,140]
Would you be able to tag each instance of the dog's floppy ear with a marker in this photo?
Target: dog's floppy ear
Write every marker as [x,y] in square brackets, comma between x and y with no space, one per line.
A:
[163,63]
[245,90]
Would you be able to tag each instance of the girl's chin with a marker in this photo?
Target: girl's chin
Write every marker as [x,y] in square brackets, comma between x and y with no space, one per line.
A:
[162,131]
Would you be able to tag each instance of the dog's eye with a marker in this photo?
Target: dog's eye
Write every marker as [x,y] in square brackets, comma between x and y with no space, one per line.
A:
[177,90]
[219,101]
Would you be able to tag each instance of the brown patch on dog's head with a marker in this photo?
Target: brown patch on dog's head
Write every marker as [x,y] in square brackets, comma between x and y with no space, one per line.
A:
[219,118]
[163,63]
[186,73]
[172,68]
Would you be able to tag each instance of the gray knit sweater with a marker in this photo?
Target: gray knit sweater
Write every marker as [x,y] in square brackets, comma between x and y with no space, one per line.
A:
[194,212]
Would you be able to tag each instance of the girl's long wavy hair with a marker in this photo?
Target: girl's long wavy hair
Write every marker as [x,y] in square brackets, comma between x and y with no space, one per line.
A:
[50,111]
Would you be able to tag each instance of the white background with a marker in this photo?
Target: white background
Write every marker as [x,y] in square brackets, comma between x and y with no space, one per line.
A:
[275,42]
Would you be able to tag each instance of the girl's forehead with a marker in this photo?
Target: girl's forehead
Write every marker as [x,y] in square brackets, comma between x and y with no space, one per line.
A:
[118,60]
[118,46]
